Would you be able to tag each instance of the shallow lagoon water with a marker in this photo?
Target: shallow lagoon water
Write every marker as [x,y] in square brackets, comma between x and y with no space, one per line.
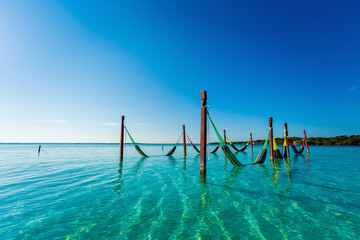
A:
[82,191]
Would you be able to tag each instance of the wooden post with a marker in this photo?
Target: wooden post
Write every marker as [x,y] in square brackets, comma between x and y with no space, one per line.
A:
[225,137]
[184,140]
[203,134]
[251,143]
[122,137]
[306,144]
[271,144]
[287,142]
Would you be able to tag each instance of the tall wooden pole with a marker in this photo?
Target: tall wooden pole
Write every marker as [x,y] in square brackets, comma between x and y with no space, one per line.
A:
[225,136]
[271,143]
[122,137]
[203,134]
[251,143]
[184,140]
[286,139]
[306,144]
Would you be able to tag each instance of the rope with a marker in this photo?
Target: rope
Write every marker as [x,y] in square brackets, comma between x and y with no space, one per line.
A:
[178,139]
[125,139]
[216,131]
[208,134]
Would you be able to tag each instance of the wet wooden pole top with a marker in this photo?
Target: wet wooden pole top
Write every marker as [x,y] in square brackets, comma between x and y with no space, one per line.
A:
[271,143]
[184,139]
[225,137]
[306,144]
[122,137]
[251,142]
[203,133]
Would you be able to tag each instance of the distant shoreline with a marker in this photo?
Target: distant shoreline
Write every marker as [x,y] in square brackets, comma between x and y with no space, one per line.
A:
[353,140]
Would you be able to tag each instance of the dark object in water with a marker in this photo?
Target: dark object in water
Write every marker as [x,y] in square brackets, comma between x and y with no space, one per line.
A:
[135,145]
[39,149]
[140,151]
[278,154]
[196,149]
[236,149]
[174,148]
[300,151]
[215,149]
[261,157]
[231,156]
[171,151]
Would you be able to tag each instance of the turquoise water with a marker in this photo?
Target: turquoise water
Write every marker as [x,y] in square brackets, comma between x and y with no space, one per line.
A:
[81,191]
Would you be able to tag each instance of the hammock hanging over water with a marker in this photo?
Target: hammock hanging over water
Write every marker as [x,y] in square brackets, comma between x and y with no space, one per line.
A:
[215,149]
[300,151]
[276,149]
[285,149]
[136,146]
[262,154]
[196,149]
[236,149]
[230,155]
[174,148]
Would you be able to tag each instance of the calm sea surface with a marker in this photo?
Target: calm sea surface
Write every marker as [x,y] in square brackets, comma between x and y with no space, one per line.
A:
[81,191]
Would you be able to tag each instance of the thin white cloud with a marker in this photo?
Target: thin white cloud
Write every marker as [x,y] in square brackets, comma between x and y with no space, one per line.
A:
[58,121]
[110,124]
[355,88]
[141,124]
[55,120]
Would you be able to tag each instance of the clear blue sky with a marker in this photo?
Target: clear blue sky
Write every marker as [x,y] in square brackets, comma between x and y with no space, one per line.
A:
[70,69]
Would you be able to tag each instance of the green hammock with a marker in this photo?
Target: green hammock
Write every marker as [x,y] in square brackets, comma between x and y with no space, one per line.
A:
[136,146]
[224,147]
[231,156]
[174,148]
[262,154]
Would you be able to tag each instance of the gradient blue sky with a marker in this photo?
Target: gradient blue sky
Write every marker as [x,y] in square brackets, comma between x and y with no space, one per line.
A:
[70,69]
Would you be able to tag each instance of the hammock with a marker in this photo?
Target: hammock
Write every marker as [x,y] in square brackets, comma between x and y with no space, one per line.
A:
[215,149]
[196,149]
[276,149]
[136,146]
[236,149]
[174,148]
[262,154]
[228,152]
[300,151]
[171,151]
[285,150]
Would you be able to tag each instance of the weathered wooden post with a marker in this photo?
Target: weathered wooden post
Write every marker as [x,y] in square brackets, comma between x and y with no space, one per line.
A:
[203,135]
[184,140]
[271,143]
[251,143]
[286,139]
[122,137]
[225,137]
[306,144]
